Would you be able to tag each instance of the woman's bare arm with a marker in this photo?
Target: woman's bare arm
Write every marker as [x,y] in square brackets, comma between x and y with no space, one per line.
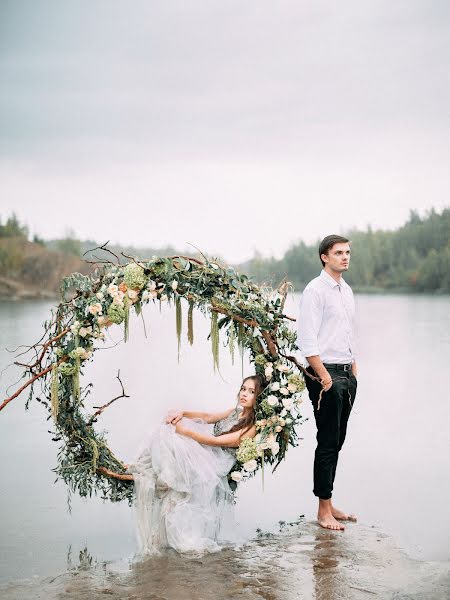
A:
[207,417]
[227,440]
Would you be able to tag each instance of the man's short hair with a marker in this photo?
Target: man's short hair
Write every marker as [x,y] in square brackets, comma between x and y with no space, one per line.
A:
[328,242]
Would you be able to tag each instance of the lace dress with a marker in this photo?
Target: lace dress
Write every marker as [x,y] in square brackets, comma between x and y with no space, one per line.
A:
[182,496]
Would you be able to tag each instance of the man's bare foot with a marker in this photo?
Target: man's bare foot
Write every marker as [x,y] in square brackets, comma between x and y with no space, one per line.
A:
[329,522]
[342,516]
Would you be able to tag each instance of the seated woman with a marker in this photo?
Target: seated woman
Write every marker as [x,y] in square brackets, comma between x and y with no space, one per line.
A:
[182,496]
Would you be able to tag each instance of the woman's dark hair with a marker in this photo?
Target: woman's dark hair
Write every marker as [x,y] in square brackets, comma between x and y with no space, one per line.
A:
[246,422]
[328,242]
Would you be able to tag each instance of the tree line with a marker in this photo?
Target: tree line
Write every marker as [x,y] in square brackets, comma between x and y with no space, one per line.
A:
[413,258]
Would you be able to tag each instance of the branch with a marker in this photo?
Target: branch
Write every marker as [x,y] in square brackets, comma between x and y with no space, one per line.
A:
[103,247]
[44,349]
[199,262]
[121,476]
[102,408]
[29,382]
[301,367]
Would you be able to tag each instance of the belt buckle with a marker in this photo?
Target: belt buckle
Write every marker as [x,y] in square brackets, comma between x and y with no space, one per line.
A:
[347,367]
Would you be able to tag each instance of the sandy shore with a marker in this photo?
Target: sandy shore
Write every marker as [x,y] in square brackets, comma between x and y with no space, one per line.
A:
[302,562]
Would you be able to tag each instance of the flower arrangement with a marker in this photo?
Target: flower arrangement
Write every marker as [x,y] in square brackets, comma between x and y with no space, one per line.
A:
[242,314]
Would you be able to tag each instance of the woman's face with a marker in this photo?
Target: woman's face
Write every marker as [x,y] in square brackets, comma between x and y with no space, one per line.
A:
[247,394]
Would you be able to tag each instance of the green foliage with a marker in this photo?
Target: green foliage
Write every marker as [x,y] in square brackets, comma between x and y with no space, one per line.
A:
[104,300]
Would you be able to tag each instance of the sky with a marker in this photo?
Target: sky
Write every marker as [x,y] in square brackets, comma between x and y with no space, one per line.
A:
[238,127]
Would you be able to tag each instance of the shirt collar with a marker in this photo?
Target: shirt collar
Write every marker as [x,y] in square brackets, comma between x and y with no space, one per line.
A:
[329,280]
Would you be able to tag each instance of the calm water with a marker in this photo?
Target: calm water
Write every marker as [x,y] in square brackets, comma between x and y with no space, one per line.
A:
[393,470]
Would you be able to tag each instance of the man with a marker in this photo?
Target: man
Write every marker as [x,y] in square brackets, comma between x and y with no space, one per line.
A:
[326,341]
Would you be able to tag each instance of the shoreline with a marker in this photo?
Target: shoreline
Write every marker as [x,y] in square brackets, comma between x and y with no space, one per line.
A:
[301,562]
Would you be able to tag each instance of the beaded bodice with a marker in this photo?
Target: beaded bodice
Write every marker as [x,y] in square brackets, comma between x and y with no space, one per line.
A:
[224,425]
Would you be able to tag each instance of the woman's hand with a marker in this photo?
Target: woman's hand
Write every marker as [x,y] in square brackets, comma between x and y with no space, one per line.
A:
[174,416]
[179,428]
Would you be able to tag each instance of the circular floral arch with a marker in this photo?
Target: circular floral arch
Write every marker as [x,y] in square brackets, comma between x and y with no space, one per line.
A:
[242,314]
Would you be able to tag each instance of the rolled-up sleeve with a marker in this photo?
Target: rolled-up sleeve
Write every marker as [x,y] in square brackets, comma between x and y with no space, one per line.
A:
[309,321]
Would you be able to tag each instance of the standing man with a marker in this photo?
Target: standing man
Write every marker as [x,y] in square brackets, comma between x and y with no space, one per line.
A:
[325,338]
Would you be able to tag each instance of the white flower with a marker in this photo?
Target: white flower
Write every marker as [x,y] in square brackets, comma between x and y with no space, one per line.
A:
[284,391]
[100,295]
[250,465]
[74,327]
[145,295]
[163,297]
[291,387]
[112,289]
[288,421]
[174,284]
[283,413]
[282,422]
[272,400]
[85,331]
[275,448]
[118,299]
[95,309]
[288,403]
[151,285]
[275,386]
[103,322]
[132,294]
[236,476]
[268,373]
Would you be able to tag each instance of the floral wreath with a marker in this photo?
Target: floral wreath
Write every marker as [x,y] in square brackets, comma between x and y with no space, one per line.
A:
[243,314]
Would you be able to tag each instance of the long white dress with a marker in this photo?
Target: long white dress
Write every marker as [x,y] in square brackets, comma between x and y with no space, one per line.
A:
[182,497]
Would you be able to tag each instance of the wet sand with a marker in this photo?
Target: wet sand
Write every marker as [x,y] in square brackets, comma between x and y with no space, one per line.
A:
[301,562]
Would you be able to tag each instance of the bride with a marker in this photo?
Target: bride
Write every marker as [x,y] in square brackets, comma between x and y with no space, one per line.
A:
[182,496]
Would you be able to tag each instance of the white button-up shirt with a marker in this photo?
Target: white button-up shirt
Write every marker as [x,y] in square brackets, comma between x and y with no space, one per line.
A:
[325,323]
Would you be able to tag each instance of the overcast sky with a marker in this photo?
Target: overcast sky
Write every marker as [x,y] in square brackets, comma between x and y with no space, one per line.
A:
[235,126]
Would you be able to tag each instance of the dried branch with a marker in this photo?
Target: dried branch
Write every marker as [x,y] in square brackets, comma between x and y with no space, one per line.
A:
[301,368]
[121,476]
[44,349]
[102,408]
[29,382]
[103,247]
[133,259]
[199,262]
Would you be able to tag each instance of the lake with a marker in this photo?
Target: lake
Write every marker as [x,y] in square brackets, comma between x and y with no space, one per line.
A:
[392,472]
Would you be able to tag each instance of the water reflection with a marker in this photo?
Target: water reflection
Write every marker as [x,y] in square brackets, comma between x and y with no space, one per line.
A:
[329,583]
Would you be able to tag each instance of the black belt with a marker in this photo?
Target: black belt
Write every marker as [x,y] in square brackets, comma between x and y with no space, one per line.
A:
[338,367]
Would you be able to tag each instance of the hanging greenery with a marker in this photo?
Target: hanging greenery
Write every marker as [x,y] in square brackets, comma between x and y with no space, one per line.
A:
[241,313]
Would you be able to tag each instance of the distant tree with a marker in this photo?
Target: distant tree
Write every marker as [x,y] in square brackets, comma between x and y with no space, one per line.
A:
[13,228]
[69,244]
[38,240]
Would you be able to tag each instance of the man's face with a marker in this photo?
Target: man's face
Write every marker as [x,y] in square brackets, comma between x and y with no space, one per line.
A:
[338,257]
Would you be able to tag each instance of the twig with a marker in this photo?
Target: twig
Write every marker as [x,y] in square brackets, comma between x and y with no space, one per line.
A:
[199,262]
[301,367]
[133,259]
[29,382]
[103,247]
[102,408]
[44,349]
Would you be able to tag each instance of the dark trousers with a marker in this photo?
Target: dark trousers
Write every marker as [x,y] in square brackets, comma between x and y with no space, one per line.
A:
[331,421]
